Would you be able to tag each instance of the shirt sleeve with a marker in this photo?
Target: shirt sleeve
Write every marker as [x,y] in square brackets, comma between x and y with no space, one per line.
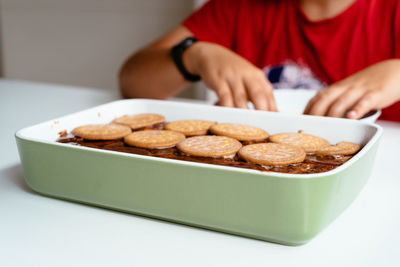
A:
[214,22]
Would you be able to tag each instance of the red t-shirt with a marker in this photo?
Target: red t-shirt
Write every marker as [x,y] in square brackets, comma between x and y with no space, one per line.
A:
[276,35]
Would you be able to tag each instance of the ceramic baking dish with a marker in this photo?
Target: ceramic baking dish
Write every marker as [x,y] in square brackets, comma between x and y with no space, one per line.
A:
[289,209]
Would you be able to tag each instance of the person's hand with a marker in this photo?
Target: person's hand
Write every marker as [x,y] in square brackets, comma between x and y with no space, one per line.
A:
[375,87]
[235,80]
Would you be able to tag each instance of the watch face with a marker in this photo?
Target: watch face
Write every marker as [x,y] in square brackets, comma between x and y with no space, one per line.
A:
[189,41]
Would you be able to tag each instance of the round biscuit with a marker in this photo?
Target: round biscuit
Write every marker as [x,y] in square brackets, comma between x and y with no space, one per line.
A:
[240,132]
[342,148]
[209,146]
[272,154]
[140,120]
[310,143]
[154,138]
[190,127]
[102,131]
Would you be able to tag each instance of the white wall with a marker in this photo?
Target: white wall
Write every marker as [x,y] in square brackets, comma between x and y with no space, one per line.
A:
[1,45]
[80,42]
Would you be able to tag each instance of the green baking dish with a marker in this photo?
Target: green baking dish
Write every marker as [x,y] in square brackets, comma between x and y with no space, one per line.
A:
[289,209]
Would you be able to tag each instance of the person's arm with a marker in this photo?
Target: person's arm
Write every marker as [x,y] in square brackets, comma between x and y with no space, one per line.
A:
[151,73]
[375,87]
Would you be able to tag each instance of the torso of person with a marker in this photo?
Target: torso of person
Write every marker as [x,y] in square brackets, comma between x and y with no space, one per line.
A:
[296,52]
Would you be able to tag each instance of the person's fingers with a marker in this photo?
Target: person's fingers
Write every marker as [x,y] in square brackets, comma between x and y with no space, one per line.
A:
[239,94]
[366,103]
[225,95]
[223,92]
[257,92]
[260,94]
[310,104]
[270,96]
[342,104]
[221,88]
[321,102]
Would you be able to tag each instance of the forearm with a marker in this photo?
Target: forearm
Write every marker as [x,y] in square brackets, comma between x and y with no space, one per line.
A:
[151,73]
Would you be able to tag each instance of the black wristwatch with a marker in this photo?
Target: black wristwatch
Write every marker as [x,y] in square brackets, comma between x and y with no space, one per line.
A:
[176,54]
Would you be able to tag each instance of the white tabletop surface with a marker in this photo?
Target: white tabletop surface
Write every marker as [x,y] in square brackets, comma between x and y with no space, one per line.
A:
[41,231]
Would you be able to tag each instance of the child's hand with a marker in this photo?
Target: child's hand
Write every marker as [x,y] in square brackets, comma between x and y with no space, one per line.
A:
[234,79]
[375,87]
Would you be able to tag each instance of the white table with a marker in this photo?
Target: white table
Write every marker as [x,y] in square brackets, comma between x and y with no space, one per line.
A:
[40,231]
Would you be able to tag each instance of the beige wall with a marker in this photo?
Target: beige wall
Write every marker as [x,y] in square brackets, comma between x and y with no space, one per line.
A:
[80,42]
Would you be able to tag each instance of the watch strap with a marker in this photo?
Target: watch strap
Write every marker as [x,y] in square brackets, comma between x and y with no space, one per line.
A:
[176,54]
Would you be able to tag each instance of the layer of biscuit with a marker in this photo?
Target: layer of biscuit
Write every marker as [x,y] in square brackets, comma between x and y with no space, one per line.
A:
[312,163]
[324,159]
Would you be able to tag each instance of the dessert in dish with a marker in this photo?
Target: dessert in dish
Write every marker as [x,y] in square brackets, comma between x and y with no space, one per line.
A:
[226,144]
